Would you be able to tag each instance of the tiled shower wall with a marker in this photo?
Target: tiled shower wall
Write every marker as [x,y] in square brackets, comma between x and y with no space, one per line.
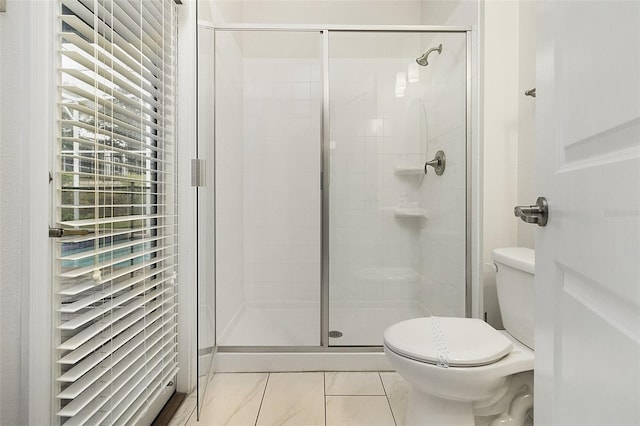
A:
[230,179]
[374,254]
[282,209]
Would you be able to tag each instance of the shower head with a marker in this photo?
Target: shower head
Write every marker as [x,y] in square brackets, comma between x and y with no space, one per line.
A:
[422,60]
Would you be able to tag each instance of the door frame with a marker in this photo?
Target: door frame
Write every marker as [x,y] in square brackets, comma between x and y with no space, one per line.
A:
[38,104]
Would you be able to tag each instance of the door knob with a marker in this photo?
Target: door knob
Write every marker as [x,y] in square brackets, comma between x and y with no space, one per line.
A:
[537,213]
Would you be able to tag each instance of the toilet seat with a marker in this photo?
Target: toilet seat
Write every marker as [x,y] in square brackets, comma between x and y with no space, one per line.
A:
[448,342]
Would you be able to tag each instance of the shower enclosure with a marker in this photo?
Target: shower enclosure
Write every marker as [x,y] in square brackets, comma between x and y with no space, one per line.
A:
[326,228]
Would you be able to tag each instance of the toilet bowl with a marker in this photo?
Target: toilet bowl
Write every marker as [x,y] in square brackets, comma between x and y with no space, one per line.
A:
[462,369]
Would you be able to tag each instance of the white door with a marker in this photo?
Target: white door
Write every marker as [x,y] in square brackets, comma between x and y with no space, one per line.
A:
[587,299]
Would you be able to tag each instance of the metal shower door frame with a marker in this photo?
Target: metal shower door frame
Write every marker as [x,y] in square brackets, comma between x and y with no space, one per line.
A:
[324,31]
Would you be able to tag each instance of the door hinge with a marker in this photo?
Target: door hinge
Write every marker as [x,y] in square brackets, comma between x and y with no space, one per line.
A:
[61,232]
[198,172]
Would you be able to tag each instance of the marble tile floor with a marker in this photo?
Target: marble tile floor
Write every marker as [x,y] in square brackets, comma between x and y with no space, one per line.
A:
[299,399]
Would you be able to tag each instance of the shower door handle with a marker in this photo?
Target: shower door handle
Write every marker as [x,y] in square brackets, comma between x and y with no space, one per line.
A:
[537,213]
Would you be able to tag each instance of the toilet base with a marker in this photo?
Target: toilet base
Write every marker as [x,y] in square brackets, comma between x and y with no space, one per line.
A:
[509,407]
[427,410]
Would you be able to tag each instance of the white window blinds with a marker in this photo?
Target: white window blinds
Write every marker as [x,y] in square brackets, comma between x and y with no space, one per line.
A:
[116,288]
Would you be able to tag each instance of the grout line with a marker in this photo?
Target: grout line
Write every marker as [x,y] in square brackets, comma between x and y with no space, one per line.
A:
[388,402]
[264,392]
[383,387]
[360,394]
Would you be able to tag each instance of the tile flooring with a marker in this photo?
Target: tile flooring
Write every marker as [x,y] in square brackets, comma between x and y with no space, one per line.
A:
[300,399]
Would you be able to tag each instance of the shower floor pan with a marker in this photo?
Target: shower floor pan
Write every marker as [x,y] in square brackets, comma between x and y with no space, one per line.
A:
[361,324]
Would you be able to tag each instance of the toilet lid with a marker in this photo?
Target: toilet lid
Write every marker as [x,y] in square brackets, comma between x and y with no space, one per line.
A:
[455,342]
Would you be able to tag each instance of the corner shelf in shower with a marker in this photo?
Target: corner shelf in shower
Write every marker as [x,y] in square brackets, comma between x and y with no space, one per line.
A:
[411,212]
[410,170]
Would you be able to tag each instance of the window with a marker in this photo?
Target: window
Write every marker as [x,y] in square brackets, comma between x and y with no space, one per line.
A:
[116,291]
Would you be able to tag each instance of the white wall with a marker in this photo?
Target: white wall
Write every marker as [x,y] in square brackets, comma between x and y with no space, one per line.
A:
[526,117]
[332,12]
[449,12]
[348,12]
[509,70]
[500,156]
[220,11]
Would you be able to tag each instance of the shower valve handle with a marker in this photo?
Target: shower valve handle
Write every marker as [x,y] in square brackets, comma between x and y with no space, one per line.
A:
[437,163]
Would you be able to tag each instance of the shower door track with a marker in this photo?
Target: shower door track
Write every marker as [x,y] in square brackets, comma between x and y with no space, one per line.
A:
[337,28]
[324,31]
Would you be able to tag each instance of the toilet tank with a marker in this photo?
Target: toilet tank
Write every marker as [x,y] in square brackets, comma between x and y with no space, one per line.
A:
[514,284]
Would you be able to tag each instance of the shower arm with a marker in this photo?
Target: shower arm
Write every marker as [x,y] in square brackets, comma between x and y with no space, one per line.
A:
[433,49]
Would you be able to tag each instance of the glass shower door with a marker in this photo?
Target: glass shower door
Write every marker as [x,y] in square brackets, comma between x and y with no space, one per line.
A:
[267,186]
[397,236]
[206,303]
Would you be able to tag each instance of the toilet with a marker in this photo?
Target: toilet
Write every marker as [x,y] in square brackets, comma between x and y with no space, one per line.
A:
[462,371]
